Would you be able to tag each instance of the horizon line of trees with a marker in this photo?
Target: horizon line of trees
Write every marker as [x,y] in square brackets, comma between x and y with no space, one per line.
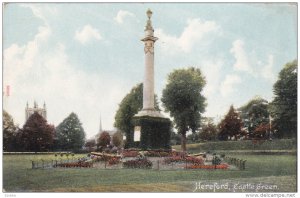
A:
[37,135]
[183,99]
[258,119]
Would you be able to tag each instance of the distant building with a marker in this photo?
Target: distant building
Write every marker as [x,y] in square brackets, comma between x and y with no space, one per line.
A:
[29,111]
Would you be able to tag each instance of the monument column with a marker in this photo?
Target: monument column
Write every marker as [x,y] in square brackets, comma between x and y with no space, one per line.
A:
[151,129]
[148,89]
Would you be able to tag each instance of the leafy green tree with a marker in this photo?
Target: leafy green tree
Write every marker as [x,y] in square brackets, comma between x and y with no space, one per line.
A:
[182,97]
[208,132]
[9,133]
[230,126]
[254,113]
[69,134]
[104,139]
[36,135]
[117,139]
[284,106]
[129,106]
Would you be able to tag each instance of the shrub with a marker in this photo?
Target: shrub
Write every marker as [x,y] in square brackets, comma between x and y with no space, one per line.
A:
[138,163]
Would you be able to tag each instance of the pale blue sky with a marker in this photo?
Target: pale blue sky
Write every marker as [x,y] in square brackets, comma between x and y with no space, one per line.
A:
[85,57]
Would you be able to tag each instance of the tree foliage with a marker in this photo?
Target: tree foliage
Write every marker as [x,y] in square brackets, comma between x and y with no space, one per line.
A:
[129,106]
[36,135]
[208,132]
[230,126]
[70,135]
[284,106]
[254,113]
[262,131]
[117,139]
[90,144]
[9,133]
[182,97]
[104,139]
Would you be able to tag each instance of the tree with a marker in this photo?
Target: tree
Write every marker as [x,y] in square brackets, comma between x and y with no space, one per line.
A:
[9,133]
[117,139]
[69,134]
[104,139]
[230,126]
[129,106]
[182,97]
[90,144]
[208,132]
[284,106]
[254,113]
[262,131]
[36,135]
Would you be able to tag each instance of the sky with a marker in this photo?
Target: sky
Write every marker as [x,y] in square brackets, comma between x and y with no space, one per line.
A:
[85,57]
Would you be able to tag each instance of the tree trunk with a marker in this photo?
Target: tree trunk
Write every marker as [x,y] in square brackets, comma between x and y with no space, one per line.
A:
[183,141]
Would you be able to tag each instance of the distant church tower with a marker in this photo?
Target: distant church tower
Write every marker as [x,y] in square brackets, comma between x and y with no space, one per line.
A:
[29,111]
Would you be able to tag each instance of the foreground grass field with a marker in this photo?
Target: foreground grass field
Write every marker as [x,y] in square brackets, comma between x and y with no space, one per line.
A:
[18,176]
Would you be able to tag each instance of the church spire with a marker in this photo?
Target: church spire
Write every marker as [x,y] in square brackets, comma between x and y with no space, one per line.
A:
[100,127]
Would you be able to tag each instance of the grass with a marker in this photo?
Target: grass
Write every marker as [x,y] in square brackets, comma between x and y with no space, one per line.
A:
[280,144]
[19,177]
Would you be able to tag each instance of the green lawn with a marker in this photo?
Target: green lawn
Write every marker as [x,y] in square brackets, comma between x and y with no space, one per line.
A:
[279,145]
[19,177]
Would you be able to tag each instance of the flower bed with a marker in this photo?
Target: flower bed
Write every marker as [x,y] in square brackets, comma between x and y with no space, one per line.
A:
[220,166]
[157,154]
[138,163]
[114,161]
[194,160]
[130,153]
[76,164]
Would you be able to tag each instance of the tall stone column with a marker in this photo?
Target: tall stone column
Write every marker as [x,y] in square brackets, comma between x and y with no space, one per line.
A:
[148,84]
[148,89]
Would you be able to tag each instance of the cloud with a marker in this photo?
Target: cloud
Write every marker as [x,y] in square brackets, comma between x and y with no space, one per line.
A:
[194,32]
[211,71]
[227,86]
[267,70]
[41,10]
[41,70]
[86,34]
[122,14]
[241,58]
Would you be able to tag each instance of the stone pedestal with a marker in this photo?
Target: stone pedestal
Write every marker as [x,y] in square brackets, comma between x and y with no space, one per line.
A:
[154,132]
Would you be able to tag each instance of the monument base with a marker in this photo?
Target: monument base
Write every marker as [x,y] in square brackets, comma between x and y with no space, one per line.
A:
[152,132]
